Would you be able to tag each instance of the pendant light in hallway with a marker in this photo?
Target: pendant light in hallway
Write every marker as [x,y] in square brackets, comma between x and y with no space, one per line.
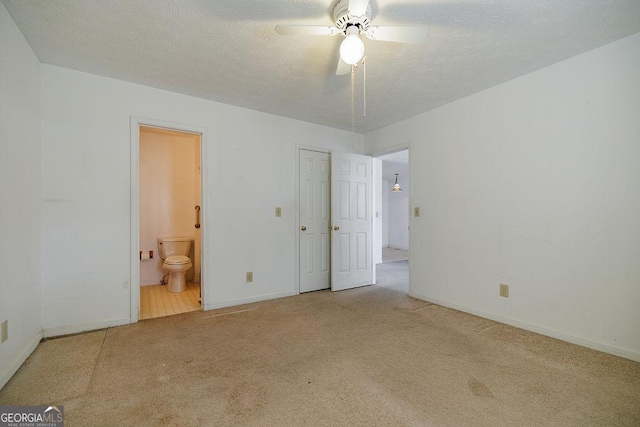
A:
[396,187]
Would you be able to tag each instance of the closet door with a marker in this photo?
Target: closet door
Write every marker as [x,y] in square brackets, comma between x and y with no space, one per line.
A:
[314,212]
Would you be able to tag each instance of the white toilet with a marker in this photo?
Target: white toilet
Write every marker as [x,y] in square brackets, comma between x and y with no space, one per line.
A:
[174,251]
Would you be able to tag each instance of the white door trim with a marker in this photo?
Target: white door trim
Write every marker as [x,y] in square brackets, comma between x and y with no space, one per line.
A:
[134,279]
[296,208]
[394,149]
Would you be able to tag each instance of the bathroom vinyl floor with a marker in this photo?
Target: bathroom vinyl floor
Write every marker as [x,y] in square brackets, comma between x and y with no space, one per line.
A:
[157,301]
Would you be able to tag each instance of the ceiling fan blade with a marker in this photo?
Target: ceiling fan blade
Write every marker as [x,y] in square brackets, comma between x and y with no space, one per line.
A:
[398,34]
[358,7]
[306,30]
[343,68]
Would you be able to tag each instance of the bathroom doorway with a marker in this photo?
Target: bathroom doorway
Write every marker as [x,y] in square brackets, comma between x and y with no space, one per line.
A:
[169,205]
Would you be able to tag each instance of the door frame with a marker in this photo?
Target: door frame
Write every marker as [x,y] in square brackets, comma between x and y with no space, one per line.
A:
[134,278]
[296,208]
[395,149]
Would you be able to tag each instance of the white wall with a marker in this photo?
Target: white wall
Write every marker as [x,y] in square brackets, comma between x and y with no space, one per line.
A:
[395,205]
[385,212]
[19,196]
[535,183]
[398,214]
[168,176]
[250,169]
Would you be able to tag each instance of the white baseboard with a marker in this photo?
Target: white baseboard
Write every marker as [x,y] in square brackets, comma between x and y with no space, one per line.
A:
[233,303]
[13,368]
[398,247]
[84,327]
[616,351]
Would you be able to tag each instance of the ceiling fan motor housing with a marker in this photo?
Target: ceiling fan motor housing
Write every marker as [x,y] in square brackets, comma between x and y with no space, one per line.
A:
[343,19]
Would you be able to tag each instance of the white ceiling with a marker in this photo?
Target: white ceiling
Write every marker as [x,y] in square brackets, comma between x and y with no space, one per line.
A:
[228,51]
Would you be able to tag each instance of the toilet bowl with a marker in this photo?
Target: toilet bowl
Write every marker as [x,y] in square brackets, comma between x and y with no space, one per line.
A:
[177,267]
[174,251]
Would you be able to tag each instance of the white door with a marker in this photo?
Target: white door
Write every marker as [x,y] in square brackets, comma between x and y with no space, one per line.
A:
[314,221]
[351,219]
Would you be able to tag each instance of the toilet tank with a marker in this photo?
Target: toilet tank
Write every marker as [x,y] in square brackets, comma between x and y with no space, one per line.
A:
[169,246]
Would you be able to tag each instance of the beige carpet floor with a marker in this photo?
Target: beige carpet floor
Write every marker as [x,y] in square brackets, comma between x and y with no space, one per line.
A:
[370,356]
[394,275]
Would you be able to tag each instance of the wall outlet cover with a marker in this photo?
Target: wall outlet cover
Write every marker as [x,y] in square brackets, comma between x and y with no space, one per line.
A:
[4,331]
[504,290]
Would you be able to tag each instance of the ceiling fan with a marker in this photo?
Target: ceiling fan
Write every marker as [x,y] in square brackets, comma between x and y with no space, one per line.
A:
[353,18]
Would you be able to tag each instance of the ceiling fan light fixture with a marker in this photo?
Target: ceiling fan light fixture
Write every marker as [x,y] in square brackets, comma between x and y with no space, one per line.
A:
[352,48]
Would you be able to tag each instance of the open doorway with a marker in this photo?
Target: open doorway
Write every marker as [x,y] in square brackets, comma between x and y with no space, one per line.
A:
[170,199]
[168,216]
[392,221]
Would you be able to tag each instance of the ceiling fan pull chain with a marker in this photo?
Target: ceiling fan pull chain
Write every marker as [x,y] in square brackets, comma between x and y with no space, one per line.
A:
[353,98]
[364,91]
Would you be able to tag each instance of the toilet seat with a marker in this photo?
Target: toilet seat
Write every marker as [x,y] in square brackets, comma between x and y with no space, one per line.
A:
[177,260]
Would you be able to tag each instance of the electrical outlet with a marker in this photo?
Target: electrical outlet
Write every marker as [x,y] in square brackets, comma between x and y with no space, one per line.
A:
[249,276]
[4,331]
[278,212]
[416,211]
[504,290]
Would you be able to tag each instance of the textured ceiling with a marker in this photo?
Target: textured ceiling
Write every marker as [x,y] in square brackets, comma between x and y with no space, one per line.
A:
[228,51]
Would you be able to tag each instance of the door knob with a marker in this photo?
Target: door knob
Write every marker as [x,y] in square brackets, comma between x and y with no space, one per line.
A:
[335,227]
[303,228]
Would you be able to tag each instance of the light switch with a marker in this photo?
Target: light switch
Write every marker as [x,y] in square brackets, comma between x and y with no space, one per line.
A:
[416,211]
[278,212]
